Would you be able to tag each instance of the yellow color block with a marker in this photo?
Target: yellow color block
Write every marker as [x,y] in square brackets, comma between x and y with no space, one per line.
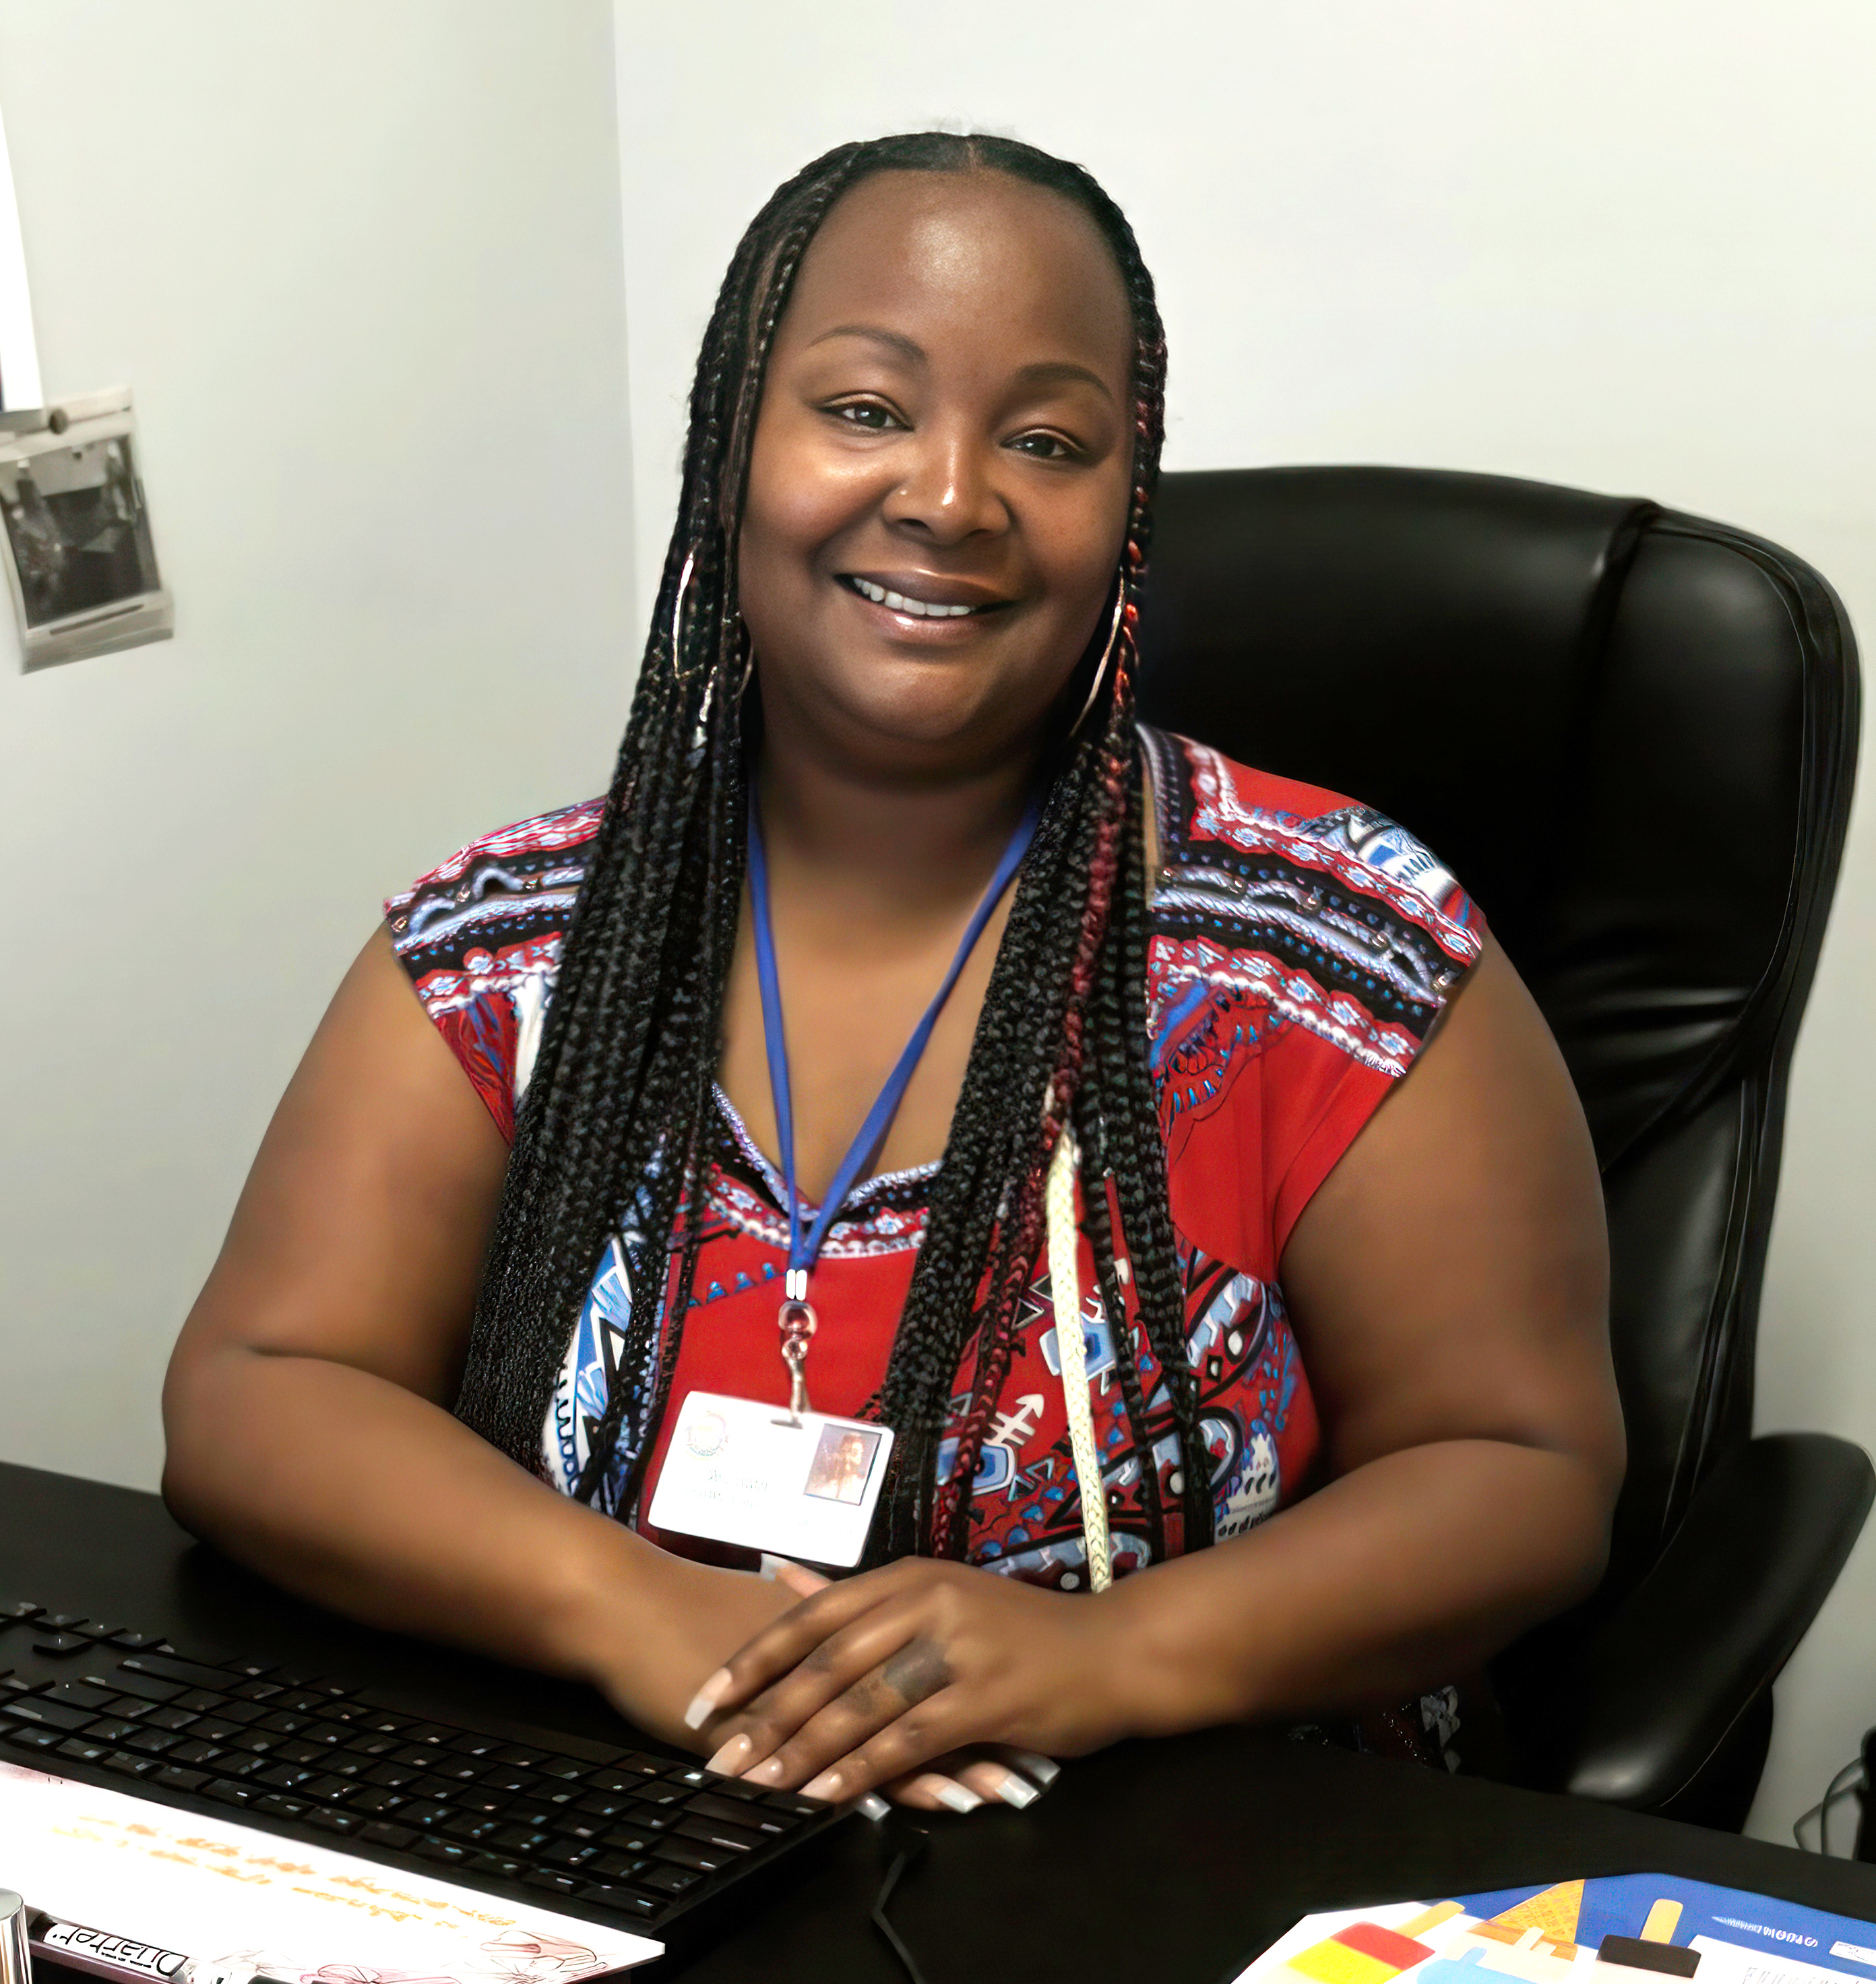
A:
[1333,1962]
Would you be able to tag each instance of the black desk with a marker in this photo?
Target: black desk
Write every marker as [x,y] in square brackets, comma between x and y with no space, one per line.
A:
[1168,1862]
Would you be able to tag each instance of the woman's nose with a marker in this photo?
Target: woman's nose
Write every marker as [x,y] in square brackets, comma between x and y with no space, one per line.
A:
[948,490]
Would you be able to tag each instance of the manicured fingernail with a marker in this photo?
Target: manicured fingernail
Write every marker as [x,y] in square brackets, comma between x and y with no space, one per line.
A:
[703,1703]
[826,1786]
[732,1757]
[948,1793]
[1044,1769]
[1016,1790]
[770,1773]
[874,1807]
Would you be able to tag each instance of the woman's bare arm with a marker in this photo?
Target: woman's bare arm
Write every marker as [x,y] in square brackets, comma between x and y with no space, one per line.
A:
[306,1405]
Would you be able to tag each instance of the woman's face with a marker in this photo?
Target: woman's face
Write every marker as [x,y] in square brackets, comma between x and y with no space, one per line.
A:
[946,425]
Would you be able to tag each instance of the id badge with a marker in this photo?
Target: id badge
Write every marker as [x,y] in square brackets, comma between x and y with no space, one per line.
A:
[799,1485]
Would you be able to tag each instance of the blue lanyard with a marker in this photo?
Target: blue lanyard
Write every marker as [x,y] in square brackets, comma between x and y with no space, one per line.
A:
[804,1248]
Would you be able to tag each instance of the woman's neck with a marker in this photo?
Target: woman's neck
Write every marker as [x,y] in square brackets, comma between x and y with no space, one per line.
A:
[888,849]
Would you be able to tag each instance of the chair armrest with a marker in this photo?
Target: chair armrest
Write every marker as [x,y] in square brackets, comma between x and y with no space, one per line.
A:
[1699,1639]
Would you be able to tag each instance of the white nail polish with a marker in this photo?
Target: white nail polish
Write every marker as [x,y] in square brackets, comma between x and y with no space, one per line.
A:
[1044,1769]
[703,1703]
[956,1797]
[1017,1791]
[874,1807]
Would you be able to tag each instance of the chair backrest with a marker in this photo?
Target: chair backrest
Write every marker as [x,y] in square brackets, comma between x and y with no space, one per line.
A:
[1632,735]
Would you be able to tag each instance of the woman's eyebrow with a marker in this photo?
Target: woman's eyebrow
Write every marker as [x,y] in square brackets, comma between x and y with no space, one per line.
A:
[1043,372]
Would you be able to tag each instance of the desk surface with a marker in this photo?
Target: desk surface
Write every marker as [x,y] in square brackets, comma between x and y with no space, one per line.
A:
[1158,1862]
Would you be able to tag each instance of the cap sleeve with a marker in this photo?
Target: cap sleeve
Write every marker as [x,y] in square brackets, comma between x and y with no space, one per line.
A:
[480,938]
[1304,948]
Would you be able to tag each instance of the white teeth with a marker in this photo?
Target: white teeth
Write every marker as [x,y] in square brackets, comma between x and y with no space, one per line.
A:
[897,602]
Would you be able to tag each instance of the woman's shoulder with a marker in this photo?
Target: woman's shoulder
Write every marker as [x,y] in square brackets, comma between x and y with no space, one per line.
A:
[481,937]
[516,882]
[1305,899]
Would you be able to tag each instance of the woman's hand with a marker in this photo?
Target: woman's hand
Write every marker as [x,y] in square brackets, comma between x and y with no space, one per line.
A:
[646,1647]
[869,1680]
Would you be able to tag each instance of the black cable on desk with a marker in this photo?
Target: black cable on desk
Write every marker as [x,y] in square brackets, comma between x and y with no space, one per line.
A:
[903,1842]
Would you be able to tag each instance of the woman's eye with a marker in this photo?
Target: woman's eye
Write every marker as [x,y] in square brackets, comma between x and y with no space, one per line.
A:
[1046,446]
[867,414]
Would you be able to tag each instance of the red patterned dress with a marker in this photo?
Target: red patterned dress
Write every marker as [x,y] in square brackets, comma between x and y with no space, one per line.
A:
[1302,948]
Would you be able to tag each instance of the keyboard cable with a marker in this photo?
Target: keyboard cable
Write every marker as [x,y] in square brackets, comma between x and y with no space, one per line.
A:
[903,1842]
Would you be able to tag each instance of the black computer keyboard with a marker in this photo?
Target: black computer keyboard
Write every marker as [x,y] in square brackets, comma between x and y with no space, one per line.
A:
[624,1836]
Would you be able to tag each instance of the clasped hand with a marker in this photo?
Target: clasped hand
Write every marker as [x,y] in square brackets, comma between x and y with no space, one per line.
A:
[871,1682]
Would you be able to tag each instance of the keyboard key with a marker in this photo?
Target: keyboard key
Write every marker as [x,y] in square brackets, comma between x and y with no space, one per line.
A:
[136,1642]
[225,1790]
[277,1805]
[471,1828]
[282,1723]
[631,1839]
[380,1832]
[297,1752]
[286,1776]
[190,1751]
[35,1739]
[129,1764]
[565,1768]
[62,1622]
[375,1798]
[504,1779]
[793,1805]
[246,1713]
[256,1742]
[49,1714]
[18,1609]
[92,1630]
[300,1703]
[693,1854]
[171,1717]
[83,1750]
[199,1701]
[619,1866]
[179,1780]
[444,1852]
[478,1798]
[564,1854]
[554,1884]
[111,1729]
[734,1788]
[394,1776]
[520,1839]
[425,1814]
[625,1901]
[603,1804]
[522,1760]
[716,1832]
[253,1670]
[326,1788]
[655,1818]
[693,1778]
[59,1644]
[459,1770]
[256,1691]
[130,1679]
[166,1667]
[708,1804]
[635,1765]
[80,1694]
[435,1734]
[328,1820]
[524,1812]
[153,1742]
[497,1864]
[661,1793]
[469,1744]
[671,1880]
[420,1756]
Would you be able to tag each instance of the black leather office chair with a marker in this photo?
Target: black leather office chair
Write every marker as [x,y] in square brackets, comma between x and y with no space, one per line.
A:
[1632,734]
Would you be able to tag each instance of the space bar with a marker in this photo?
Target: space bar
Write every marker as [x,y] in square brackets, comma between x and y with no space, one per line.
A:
[423,1708]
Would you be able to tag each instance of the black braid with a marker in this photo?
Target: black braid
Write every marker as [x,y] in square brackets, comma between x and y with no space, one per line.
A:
[615,1131]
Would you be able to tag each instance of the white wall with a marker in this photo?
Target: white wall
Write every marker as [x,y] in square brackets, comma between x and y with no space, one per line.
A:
[361,264]
[1625,244]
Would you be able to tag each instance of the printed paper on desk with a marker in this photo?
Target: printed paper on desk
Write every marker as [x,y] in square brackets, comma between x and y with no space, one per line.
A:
[243,1902]
[800,1485]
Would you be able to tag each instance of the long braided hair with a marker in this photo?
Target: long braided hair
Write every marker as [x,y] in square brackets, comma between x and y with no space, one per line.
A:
[616,1130]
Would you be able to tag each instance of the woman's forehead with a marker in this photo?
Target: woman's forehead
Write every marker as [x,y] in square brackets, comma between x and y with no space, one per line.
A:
[980,256]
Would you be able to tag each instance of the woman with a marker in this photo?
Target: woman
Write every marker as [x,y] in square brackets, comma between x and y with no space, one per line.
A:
[1317,1125]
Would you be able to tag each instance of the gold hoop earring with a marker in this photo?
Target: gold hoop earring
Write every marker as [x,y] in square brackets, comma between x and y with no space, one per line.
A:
[1114,635]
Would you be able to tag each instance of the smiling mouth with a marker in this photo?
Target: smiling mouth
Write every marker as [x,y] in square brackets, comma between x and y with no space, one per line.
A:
[919,609]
